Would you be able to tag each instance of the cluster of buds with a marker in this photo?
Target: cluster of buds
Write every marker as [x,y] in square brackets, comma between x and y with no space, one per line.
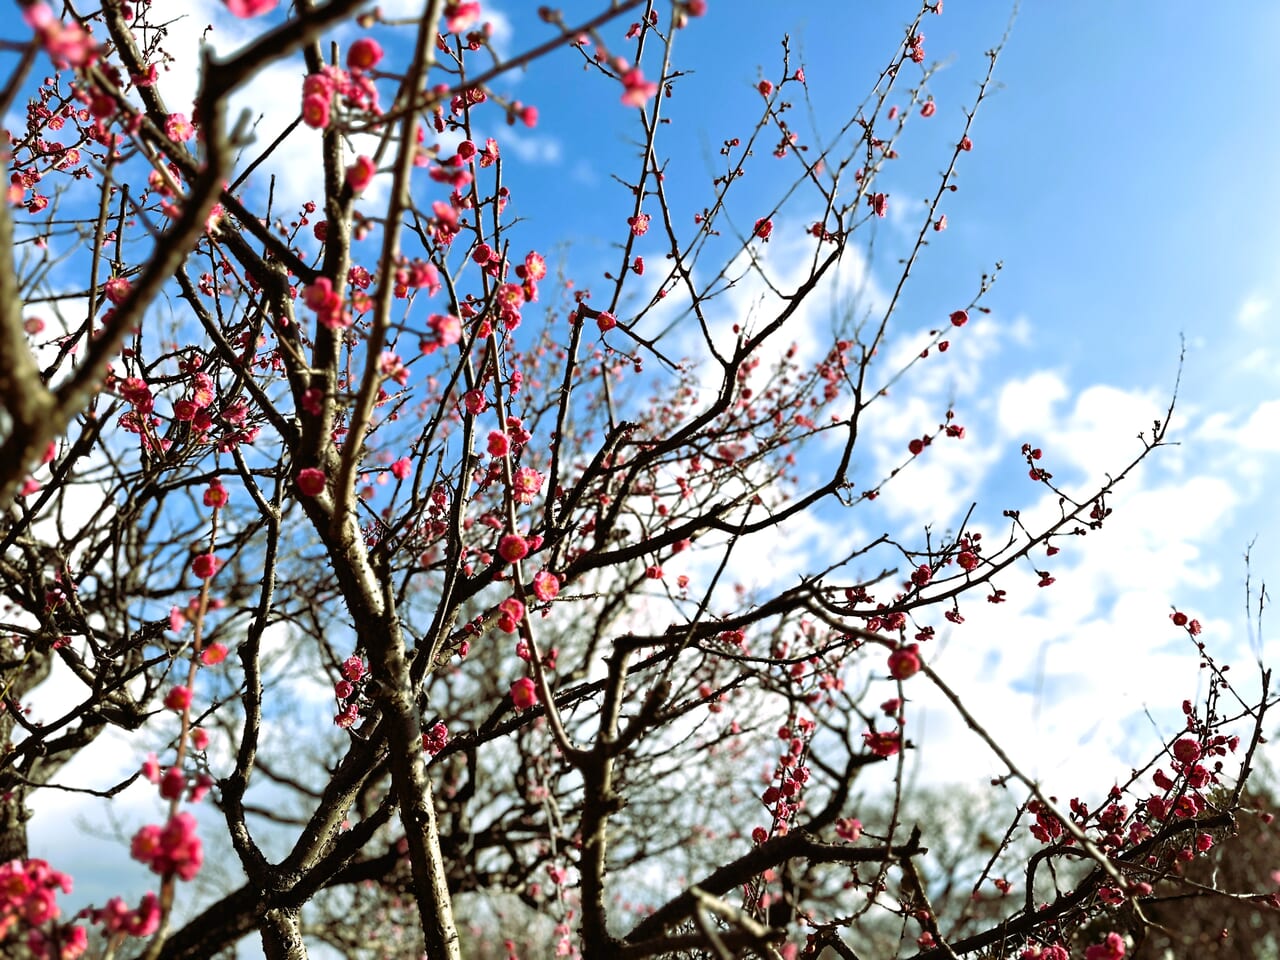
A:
[782,798]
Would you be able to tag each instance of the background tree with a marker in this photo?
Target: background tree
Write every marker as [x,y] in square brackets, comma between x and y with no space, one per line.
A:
[379,444]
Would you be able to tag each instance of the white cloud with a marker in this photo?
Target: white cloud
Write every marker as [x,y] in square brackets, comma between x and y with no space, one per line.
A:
[1255,433]
[1065,676]
[1103,429]
[532,148]
[749,304]
[501,33]
[1027,404]
[1260,361]
[1253,312]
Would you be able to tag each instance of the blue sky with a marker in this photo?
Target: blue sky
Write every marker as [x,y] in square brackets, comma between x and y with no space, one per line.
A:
[1123,173]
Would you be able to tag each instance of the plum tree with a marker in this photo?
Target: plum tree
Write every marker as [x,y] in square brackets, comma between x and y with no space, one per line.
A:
[382,450]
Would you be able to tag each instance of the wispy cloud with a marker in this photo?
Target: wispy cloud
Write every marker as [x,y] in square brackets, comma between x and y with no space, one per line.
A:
[532,148]
[1253,313]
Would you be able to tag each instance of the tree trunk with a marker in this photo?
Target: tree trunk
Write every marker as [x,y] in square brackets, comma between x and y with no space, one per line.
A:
[282,934]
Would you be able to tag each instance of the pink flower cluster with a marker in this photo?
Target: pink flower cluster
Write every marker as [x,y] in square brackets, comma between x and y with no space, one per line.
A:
[327,303]
[116,917]
[311,481]
[137,394]
[511,612]
[116,289]
[178,616]
[172,849]
[510,299]
[28,893]
[915,47]
[636,90]
[782,798]
[1111,948]
[250,8]
[205,566]
[416,274]
[178,128]
[904,662]
[1117,827]
[526,484]
[882,744]
[365,54]
[68,45]
[524,693]
[360,174]
[1047,827]
[70,943]
[513,547]
[215,495]
[355,88]
[1040,951]
[460,14]
[435,739]
[190,407]
[347,691]
[849,829]
[546,585]
[445,330]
